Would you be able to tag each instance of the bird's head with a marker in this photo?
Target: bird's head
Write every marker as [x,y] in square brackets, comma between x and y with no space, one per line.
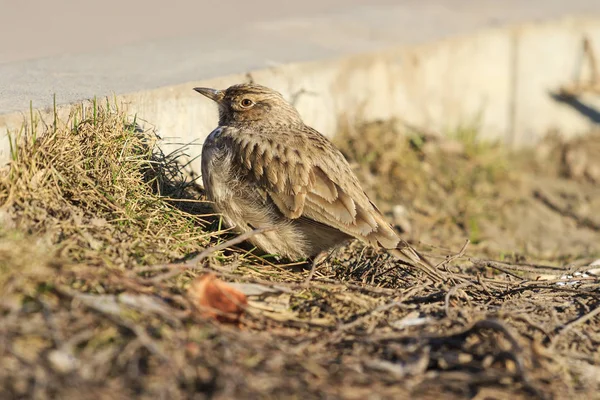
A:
[251,104]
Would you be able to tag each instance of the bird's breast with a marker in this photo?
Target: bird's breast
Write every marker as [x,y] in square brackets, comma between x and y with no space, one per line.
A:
[216,166]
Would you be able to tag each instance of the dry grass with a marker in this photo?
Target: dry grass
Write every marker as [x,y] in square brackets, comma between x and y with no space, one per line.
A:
[448,183]
[462,187]
[95,223]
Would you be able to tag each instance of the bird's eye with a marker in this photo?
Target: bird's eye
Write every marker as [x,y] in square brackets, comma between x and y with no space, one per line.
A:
[247,103]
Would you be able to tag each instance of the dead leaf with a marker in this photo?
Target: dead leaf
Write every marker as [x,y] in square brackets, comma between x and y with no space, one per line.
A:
[217,299]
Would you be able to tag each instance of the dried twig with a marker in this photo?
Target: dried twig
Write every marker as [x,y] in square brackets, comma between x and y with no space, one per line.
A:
[453,257]
[579,87]
[565,211]
[553,288]
[453,290]
[495,265]
[138,330]
[584,318]
[517,349]
[176,269]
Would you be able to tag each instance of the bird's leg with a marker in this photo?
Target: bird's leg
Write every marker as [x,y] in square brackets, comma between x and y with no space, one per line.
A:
[317,261]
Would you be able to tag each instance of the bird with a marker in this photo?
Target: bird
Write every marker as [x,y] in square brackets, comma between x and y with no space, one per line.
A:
[264,168]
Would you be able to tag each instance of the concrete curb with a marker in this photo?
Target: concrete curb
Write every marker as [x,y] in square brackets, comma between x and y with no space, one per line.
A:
[500,79]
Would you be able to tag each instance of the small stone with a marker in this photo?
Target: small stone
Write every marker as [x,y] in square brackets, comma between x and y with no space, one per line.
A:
[62,361]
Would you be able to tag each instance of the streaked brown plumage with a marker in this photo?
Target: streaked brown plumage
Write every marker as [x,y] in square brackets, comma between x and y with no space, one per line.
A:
[263,167]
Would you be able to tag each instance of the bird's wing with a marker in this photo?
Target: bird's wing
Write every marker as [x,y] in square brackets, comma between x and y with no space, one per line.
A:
[311,179]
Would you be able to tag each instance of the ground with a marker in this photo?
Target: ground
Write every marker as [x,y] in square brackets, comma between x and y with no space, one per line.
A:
[102,235]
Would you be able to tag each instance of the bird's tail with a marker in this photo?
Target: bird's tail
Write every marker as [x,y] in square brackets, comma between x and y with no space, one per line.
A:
[404,250]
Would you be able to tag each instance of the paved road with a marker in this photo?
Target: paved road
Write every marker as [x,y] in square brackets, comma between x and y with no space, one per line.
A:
[78,49]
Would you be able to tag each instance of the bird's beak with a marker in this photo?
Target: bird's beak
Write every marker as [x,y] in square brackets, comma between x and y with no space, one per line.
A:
[213,94]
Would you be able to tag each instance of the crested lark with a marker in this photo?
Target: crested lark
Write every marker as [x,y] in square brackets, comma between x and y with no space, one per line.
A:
[263,167]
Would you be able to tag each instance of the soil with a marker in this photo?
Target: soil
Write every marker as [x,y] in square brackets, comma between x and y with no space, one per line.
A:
[102,235]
